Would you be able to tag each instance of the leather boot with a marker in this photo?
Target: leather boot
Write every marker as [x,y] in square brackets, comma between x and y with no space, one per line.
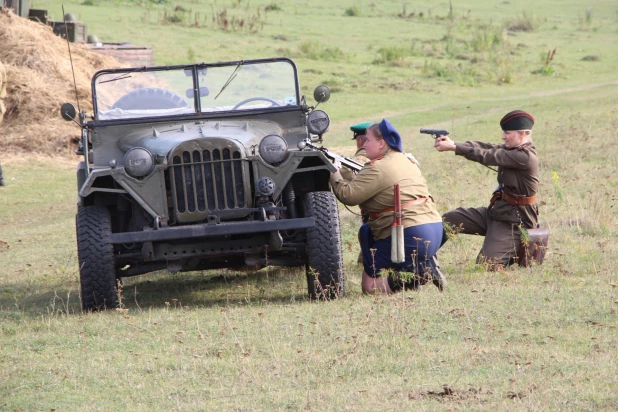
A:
[437,277]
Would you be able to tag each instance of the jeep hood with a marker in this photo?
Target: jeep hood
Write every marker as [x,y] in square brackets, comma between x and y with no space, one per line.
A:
[160,140]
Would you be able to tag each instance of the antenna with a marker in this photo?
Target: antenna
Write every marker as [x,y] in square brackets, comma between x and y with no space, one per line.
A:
[66,31]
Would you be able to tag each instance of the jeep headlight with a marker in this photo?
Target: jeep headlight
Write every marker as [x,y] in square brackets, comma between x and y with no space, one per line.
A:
[318,122]
[273,149]
[138,162]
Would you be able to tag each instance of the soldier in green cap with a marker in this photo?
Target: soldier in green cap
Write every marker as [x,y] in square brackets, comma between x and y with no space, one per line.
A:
[360,135]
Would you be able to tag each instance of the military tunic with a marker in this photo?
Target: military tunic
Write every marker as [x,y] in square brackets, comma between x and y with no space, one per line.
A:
[518,174]
[372,189]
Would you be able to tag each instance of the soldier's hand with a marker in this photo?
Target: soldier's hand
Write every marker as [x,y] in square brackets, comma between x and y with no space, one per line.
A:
[444,144]
[337,164]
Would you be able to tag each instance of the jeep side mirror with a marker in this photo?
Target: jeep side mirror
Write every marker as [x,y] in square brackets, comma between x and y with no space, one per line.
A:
[68,112]
[321,94]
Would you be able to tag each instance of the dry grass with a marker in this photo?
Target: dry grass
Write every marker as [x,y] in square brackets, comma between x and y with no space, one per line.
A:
[39,81]
[539,339]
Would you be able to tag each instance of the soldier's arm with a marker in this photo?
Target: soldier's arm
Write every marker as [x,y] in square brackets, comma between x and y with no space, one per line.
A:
[493,155]
[366,184]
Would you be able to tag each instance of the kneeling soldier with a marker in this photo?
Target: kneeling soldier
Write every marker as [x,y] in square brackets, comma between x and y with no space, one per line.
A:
[513,205]
[372,189]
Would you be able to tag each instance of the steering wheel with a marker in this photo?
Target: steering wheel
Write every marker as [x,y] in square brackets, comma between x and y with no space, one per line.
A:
[253,99]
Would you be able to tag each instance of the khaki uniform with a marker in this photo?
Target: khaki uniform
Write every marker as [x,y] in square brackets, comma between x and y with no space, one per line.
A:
[372,189]
[518,173]
[361,157]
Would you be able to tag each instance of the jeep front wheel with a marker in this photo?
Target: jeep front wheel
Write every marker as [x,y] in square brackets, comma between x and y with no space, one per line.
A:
[96,258]
[324,257]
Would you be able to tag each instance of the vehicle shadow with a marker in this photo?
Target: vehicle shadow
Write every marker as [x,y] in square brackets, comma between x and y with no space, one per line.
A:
[159,290]
[193,289]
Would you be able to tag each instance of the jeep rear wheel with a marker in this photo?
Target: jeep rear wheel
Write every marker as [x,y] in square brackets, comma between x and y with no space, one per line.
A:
[324,257]
[96,258]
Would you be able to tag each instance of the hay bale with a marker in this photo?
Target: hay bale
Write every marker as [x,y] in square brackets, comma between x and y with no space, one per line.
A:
[39,81]
[2,90]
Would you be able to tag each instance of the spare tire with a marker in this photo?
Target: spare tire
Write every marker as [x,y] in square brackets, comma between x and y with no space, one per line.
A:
[150,98]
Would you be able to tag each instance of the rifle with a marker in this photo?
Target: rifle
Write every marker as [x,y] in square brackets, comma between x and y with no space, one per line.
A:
[435,132]
[345,161]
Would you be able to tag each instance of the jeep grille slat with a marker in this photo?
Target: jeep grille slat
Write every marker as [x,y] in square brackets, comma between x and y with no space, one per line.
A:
[188,179]
[200,188]
[229,179]
[237,171]
[178,179]
[208,180]
[218,179]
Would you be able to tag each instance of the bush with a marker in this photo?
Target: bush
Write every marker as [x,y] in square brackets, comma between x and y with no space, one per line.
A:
[352,11]
[393,55]
[485,38]
[315,51]
[273,7]
[547,69]
[526,22]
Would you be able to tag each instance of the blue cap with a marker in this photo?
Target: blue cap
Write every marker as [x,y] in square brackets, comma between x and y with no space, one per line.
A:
[391,135]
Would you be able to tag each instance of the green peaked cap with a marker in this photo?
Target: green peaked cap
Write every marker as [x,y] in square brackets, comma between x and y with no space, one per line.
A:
[360,128]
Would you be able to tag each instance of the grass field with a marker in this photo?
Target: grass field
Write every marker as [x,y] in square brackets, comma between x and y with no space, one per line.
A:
[537,339]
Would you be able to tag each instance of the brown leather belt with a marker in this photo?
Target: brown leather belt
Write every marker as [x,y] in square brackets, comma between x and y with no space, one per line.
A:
[374,215]
[517,200]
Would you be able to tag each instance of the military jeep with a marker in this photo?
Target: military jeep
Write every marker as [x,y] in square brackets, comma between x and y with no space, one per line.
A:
[200,167]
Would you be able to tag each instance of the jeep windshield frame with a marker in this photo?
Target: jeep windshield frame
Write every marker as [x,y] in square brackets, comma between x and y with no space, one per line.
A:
[201,90]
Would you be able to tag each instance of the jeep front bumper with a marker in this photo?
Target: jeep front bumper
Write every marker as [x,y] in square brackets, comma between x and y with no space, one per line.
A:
[211,230]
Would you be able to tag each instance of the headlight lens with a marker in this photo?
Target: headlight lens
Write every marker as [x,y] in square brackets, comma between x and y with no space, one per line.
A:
[318,122]
[138,162]
[273,149]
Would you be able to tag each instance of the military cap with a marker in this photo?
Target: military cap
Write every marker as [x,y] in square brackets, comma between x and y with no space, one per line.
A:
[391,135]
[517,120]
[360,128]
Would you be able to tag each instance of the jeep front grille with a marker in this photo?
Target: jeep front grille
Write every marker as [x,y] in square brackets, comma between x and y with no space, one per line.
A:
[215,179]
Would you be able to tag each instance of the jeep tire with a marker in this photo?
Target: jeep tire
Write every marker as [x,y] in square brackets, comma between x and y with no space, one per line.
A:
[325,277]
[152,98]
[96,258]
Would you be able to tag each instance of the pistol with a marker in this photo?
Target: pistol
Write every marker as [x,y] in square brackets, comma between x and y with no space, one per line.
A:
[435,132]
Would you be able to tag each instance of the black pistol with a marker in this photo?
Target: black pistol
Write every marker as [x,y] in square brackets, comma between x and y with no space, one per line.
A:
[435,132]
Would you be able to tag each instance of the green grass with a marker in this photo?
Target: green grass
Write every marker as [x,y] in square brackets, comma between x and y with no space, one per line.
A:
[538,339]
